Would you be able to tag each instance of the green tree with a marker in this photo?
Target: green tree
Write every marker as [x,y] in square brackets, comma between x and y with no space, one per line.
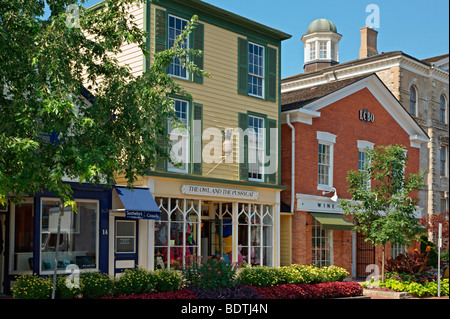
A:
[382,205]
[49,130]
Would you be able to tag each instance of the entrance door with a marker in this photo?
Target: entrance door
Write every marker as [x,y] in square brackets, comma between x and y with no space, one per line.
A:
[125,244]
[365,255]
[216,230]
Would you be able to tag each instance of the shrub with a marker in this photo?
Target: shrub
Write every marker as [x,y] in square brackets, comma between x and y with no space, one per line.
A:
[32,287]
[95,285]
[334,273]
[413,263]
[210,273]
[167,280]
[294,274]
[415,288]
[63,291]
[258,276]
[135,281]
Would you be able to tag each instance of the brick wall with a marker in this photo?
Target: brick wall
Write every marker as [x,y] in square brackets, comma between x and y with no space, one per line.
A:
[342,119]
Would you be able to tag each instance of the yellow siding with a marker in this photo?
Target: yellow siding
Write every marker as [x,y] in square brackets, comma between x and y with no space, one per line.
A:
[285,240]
[218,93]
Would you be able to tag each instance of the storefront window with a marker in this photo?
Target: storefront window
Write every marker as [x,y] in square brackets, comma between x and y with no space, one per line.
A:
[176,232]
[22,247]
[78,239]
[321,245]
[255,234]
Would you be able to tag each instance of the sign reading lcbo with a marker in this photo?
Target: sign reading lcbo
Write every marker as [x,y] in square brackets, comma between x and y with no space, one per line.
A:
[366,116]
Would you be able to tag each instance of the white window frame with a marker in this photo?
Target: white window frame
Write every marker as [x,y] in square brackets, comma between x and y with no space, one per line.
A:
[329,140]
[416,102]
[174,135]
[323,50]
[134,237]
[363,146]
[97,241]
[322,241]
[312,51]
[12,236]
[170,16]
[251,75]
[257,149]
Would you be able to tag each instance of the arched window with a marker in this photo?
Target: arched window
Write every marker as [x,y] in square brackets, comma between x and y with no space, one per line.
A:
[413,100]
[443,109]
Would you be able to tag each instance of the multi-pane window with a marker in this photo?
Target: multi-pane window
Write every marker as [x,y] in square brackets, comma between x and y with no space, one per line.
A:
[255,69]
[443,109]
[413,101]
[176,26]
[333,51]
[256,143]
[323,50]
[363,161]
[321,245]
[312,51]
[397,249]
[179,137]
[443,160]
[255,234]
[324,164]
[177,232]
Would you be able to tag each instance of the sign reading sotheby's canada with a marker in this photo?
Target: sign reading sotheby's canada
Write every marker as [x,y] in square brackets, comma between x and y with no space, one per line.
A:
[219,192]
[142,215]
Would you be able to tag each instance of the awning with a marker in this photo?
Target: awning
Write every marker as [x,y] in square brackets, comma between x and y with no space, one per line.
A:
[138,202]
[333,221]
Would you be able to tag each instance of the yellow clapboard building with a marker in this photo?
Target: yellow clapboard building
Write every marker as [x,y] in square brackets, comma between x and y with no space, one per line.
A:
[223,199]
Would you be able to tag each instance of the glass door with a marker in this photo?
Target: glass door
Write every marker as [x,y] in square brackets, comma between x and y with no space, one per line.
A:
[125,244]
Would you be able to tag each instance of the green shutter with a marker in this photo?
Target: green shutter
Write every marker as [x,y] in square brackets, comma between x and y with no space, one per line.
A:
[271,74]
[196,133]
[243,149]
[160,30]
[242,66]
[271,147]
[197,44]
[161,165]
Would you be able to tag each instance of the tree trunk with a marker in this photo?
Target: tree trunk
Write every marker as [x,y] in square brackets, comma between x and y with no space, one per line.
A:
[58,232]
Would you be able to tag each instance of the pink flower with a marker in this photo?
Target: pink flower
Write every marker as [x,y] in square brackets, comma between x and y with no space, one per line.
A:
[218,272]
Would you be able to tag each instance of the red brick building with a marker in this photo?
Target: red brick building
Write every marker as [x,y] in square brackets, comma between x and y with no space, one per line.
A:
[329,126]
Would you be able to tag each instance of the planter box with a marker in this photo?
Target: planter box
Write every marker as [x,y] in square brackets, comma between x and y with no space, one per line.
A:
[387,294]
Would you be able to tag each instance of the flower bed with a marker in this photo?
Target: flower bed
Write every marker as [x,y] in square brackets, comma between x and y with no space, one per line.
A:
[210,279]
[425,289]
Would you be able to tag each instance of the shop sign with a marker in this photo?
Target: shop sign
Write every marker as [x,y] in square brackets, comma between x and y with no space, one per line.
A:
[219,192]
[366,116]
[142,215]
[311,203]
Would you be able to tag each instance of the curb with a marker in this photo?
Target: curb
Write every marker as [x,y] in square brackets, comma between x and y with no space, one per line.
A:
[387,294]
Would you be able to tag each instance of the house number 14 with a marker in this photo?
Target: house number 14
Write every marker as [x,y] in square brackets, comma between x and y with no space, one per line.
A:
[366,116]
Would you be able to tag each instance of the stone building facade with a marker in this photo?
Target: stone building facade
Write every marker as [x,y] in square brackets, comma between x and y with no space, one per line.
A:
[421,86]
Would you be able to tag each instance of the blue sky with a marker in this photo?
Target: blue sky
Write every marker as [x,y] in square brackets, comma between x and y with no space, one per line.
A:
[417,27]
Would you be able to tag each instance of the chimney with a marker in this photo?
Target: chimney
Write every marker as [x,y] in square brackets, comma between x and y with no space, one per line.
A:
[368,42]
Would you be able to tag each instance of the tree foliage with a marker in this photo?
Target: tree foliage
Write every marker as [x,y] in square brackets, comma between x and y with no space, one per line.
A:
[384,211]
[49,129]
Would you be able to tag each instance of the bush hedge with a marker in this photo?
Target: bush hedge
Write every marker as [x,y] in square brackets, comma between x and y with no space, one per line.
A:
[212,279]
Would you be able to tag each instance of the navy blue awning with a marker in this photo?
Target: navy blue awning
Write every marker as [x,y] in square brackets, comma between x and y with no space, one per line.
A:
[138,202]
